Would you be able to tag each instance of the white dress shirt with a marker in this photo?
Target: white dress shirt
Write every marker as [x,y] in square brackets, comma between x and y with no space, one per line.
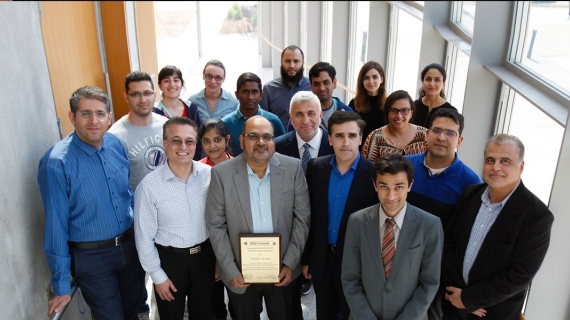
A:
[399,219]
[315,143]
[170,212]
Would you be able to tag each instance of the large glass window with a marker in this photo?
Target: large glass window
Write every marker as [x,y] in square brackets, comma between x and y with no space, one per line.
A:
[457,67]
[406,54]
[361,40]
[542,138]
[546,49]
[467,18]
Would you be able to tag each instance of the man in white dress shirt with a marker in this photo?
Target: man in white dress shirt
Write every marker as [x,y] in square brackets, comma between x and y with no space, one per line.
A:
[170,227]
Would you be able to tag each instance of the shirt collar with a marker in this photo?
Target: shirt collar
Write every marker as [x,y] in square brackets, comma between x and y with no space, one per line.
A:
[87,148]
[399,218]
[250,171]
[167,173]
[454,163]
[314,143]
[487,201]
[354,164]
[240,115]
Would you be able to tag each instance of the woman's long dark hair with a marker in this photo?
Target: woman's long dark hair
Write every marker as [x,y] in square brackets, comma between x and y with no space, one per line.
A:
[361,98]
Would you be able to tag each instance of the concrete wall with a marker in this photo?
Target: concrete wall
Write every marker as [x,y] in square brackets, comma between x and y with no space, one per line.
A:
[28,128]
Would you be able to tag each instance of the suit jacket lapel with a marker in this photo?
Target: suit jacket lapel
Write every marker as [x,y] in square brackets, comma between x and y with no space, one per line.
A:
[276,174]
[404,240]
[291,145]
[361,177]
[373,237]
[242,186]
[323,180]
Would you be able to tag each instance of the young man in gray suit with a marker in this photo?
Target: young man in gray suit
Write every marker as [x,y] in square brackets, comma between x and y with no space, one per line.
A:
[259,191]
[392,251]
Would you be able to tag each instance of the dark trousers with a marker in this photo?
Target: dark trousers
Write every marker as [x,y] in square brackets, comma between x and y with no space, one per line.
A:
[193,277]
[278,301]
[331,303]
[111,280]
[297,308]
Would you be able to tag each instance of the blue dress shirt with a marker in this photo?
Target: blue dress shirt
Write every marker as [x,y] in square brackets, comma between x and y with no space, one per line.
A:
[277,97]
[226,105]
[235,120]
[339,186]
[260,199]
[86,196]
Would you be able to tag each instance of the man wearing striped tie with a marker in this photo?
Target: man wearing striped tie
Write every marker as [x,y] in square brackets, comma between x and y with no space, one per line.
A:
[392,251]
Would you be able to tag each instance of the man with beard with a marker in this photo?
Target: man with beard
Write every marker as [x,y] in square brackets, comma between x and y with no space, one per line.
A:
[259,191]
[323,81]
[140,130]
[248,93]
[277,93]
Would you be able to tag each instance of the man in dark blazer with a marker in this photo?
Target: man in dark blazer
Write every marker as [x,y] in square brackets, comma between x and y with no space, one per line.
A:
[496,240]
[392,252]
[339,185]
[305,115]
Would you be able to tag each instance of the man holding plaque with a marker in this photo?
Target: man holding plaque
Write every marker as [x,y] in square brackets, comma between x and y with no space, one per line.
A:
[265,194]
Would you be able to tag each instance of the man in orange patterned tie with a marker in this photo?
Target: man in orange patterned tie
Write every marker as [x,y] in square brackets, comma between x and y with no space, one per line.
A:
[401,241]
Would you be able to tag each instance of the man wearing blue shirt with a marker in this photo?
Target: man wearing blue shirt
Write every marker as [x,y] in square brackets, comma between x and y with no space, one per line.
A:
[339,185]
[84,182]
[277,93]
[323,82]
[248,93]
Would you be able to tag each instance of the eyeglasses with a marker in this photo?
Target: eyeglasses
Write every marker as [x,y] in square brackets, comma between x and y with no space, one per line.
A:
[178,142]
[448,133]
[253,137]
[215,140]
[86,115]
[146,94]
[404,111]
[208,76]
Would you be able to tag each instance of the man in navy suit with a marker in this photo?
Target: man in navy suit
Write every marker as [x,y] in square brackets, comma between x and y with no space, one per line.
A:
[305,114]
[339,185]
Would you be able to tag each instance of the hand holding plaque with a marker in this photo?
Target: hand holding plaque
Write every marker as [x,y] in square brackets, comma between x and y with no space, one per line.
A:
[260,256]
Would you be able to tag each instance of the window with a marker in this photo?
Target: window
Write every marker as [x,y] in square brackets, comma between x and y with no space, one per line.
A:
[405,43]
[546,49]
[360,48]
[542,138]
[467,18]
[457,67]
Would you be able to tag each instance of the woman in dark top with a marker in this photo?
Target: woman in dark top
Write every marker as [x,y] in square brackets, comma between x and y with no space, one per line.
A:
[432,97]
[370,97]
[170,82]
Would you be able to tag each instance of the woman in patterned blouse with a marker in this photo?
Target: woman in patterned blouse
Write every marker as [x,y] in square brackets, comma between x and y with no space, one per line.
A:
[399,135]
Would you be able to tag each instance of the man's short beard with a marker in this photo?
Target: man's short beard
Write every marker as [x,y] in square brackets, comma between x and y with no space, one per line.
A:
[291,79]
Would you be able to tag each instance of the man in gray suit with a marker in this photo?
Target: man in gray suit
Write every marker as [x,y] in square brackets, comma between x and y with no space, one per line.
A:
[258,192]
[392,250]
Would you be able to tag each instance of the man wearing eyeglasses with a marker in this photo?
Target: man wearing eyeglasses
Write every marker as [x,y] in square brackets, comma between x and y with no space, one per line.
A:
[213,101]
[248,93]
[439,176]
[140,130]
[84,182]
[259,191]
[170,227]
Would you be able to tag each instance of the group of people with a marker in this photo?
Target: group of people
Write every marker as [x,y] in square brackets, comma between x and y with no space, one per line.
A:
[395,228]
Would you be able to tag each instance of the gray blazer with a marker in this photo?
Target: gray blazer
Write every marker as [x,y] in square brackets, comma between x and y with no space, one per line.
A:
[228,212]
[414,278]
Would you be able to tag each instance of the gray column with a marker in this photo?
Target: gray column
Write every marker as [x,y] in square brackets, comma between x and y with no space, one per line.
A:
[378,32]
[313,52]
[340,41]
[264,24]
[482,90]
[277,34]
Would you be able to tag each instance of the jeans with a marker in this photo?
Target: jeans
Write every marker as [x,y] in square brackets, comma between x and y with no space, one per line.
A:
[111,280]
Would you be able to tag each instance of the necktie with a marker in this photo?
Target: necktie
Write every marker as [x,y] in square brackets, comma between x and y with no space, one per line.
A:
[388,246]
[306,157]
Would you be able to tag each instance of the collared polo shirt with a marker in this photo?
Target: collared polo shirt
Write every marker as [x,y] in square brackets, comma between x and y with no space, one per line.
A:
[226,105]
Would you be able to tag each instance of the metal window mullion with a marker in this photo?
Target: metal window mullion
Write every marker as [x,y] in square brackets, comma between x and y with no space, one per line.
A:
[353,24]
[392,43]
[451,63]
[519,30]
[505,110]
